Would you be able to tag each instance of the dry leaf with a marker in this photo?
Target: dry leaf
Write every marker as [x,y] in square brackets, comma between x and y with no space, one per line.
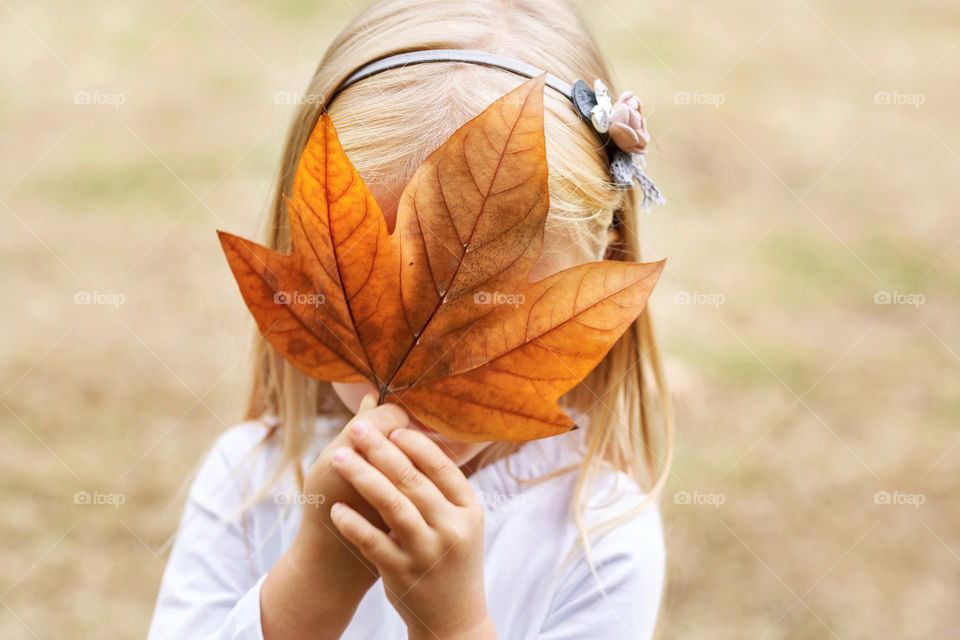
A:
[440,315]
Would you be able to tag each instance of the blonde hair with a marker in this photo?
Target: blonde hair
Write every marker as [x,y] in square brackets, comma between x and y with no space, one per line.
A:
[390,122]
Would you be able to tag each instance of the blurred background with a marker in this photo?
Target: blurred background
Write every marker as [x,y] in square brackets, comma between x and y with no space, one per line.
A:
[810,155]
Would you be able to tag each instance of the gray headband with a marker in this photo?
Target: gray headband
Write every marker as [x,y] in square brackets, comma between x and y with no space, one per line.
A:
[593,105]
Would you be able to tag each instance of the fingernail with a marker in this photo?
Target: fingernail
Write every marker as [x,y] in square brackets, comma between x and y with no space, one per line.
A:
[394,435]
[336,507]
[358,429]
[340,455]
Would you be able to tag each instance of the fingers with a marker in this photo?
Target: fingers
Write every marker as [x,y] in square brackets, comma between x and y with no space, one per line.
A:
[385,418]
[435,464]
[397,467]
[373,543]
[396,509]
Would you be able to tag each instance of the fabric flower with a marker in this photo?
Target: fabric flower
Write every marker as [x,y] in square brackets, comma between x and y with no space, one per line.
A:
[628,130]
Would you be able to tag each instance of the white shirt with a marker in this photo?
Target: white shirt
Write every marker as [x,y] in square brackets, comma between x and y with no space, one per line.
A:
[211,585]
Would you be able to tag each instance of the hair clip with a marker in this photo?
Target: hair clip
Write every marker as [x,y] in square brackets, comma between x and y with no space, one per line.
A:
[623,130]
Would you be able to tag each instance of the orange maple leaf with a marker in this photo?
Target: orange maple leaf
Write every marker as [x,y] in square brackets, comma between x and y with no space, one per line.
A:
[440,314]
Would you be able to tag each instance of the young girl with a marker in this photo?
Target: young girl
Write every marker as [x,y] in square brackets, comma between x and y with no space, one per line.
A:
[325,516]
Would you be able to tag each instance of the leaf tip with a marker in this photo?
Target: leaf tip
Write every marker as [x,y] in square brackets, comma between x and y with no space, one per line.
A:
[657,269]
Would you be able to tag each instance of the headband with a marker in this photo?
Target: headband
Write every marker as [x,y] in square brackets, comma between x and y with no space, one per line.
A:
[620,126]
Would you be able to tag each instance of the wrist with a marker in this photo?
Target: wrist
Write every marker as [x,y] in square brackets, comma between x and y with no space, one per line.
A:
[311,592]
[481,629]
[320,557]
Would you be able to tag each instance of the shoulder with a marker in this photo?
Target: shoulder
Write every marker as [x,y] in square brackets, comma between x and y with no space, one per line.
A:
[238,441]
[630,532]
[611,587]
[616,586]
[546,481]
[235,461]
[623,522]
[615,494]
[236,446]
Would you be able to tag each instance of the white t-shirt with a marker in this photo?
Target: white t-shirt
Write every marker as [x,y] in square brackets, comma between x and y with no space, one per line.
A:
[211,585]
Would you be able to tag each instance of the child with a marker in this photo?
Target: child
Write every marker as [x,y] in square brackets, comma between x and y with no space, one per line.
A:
[325,516]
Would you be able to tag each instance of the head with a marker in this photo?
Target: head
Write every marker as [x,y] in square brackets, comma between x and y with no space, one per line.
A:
[390,122]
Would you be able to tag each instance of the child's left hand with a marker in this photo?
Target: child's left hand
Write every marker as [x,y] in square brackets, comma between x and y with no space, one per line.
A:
[431,562]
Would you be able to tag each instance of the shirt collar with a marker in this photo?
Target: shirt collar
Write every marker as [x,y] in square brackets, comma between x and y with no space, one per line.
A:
[504,481]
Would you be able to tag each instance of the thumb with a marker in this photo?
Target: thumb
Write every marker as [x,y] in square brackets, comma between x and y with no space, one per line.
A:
[369,402]
[384,418]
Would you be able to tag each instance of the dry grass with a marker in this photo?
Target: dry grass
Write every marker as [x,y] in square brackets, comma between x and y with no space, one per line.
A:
[796,199]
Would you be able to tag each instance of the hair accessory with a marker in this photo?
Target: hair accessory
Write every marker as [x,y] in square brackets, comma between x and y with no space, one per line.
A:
[628,129]
[620,126]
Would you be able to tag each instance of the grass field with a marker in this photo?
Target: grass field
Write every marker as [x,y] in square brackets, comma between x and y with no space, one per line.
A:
[809,154]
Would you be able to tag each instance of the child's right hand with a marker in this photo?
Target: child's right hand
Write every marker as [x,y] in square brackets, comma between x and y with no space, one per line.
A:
[315,587]
[323,487]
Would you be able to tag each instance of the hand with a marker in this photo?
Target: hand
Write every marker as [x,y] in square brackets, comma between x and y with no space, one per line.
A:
[431,560]
[315,587]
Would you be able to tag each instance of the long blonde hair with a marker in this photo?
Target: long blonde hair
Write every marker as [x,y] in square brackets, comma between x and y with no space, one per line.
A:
[390,122]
